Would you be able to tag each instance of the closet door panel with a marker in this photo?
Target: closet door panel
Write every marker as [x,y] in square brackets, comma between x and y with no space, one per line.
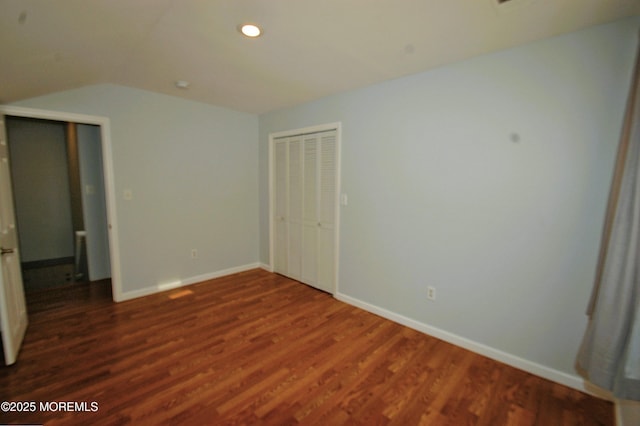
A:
[327,211]
[295,178]
[310,211]
[280,208]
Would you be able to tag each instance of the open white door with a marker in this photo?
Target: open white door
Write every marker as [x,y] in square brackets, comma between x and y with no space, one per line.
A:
[13,309]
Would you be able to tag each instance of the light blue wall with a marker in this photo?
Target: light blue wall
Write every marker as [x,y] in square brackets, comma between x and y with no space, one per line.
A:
[440,195]
[193,172]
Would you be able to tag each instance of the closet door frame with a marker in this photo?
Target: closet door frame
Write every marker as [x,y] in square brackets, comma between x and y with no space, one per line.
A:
[295,132]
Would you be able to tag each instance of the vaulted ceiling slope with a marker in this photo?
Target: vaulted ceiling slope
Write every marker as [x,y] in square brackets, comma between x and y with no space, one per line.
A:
[309,49]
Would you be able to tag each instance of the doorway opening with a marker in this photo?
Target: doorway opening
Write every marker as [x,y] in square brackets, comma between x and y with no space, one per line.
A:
[59,198]
[102,126]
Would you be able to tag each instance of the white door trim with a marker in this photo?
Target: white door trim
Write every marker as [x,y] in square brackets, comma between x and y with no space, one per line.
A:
[337,126]
[108,170]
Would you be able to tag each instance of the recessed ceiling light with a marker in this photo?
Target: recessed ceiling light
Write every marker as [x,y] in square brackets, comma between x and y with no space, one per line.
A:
[250,30]
[182,84]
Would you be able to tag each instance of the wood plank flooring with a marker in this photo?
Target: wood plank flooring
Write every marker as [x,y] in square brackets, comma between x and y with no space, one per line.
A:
[257,348]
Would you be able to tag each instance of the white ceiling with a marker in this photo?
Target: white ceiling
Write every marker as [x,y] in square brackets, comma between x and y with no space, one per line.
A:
[310,48]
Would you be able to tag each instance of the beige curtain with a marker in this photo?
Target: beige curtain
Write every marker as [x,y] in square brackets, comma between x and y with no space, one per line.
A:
[610,352]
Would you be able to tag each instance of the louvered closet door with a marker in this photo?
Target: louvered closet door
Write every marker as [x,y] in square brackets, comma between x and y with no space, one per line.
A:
[327,187]
[310,221]
[294,222]
[305,208]
[281,149]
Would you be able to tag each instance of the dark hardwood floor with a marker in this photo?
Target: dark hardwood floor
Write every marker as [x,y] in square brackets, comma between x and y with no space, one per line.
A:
[258,348]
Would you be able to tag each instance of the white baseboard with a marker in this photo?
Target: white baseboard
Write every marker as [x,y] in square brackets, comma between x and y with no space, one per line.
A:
[185,282]
[540,370]
[266,267]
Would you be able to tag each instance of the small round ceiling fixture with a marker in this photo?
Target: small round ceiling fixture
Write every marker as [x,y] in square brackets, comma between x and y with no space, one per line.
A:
[250,30]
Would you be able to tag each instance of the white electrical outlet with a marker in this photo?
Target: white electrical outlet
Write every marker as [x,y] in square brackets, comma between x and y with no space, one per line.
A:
[194,253]
[431,293]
